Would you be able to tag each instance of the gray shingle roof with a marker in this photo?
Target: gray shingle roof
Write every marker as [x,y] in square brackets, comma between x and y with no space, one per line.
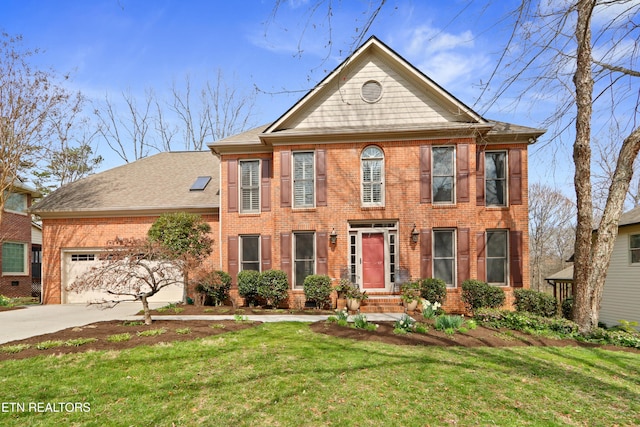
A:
[630,217]
[155,183]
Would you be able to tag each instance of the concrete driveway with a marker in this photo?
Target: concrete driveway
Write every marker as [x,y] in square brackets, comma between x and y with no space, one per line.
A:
[43,319]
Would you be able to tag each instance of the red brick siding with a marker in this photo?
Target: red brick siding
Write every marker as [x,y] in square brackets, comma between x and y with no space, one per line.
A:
[93,233]
[402,203]
[16,228]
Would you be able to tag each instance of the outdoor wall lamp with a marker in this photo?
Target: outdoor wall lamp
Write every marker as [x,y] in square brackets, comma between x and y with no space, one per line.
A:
[333,237]
[415,234]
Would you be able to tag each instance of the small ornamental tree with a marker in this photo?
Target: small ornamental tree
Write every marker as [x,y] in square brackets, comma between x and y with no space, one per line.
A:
[317,288]
[186,238]
[273,287]
[131,270]
[212,283]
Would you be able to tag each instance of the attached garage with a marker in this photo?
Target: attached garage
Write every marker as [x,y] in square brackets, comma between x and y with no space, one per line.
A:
[76,262]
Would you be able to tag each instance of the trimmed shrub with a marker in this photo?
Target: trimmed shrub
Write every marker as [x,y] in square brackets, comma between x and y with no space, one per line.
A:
[526,322]
[248,283]
[433,290]
[567,308]
[477,294]
[4,301]
[273,287]
[535,302]
[317,288]
[214,284]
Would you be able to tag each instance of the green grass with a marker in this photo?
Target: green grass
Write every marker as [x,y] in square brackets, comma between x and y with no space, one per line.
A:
[283,374]
[119,337]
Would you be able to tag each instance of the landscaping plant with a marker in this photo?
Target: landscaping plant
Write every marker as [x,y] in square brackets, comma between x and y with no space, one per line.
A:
[535,302]
[248,282]
[477,294]
[317,288]
[273,287]
[213,283]
[432,289]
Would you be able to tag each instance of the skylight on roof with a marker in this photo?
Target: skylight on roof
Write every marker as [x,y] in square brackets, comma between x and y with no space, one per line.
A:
[200,184]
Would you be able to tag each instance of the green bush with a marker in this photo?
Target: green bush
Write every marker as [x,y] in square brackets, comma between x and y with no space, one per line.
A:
[567,308]
[317,288]
[214,284]
[248,282]
[477,294]
[526,322]
[4,301]
[535,302]
[273,287]
[433,290]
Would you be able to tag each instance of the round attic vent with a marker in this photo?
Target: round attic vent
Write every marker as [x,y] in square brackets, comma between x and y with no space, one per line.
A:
[371,91]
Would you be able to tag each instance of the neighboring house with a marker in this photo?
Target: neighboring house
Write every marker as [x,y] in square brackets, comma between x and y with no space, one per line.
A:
[36,260]
[621,294]
[80,218]
[15,238]
[377,174]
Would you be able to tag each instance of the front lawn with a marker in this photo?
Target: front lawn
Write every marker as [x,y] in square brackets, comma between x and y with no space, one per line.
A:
[284,374]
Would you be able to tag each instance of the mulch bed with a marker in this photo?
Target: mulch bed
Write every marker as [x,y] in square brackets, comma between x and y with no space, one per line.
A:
[186,310]
[479,337]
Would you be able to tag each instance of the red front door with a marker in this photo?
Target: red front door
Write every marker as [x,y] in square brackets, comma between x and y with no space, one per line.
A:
[372,260]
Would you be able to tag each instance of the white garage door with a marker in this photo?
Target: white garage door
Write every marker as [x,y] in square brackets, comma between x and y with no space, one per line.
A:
[75,263]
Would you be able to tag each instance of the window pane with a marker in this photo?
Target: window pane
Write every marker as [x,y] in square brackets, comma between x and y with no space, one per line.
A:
[303,185]
[634,242]
[250,253]
[496,271]
[249,186]
[495,194]
[372,153]
[496,244]
[304,246]
[495,165]
[443,189]
[443,269]
[443,244]
[303,165]
[303,269]
[15,202]
[442,161]
[13,256]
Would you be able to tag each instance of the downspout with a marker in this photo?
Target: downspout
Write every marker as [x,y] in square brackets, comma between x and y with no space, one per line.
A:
[220,213]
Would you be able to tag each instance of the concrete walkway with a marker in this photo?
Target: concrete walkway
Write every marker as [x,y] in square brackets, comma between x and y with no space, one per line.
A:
[43,319]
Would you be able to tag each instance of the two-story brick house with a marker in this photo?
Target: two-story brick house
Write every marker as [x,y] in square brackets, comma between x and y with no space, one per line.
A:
[15,239]
[396,171]
[376,174]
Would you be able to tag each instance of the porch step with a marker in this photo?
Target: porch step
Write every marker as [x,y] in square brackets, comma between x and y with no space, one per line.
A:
[382,304]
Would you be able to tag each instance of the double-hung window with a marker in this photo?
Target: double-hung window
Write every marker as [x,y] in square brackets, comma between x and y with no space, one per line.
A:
[495,166]
[497,251]
[250,186]
[634,248]
[443,174]
[14,259]
[250,253]
[303,180]
[372,160]
[304,257]
[444,256]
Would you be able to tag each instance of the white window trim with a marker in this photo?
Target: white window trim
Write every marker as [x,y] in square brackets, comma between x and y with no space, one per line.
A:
[240,207]
[506,178]
[506,258]
[631,263]
[240,252]
[455,255]
[381,203]
[453,176]
[25,261]
[293,179]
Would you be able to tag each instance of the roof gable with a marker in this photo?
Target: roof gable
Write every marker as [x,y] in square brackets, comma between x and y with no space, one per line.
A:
[408,97]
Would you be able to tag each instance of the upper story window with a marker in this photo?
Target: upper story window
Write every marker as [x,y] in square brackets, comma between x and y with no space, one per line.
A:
[372,176]
[497,251]
[14,259]
[15,202]
[495,178]
[250,186]
[443,174]
[634,248]
[303,180]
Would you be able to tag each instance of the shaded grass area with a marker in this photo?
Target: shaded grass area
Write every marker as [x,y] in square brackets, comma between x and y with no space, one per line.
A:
[284,374]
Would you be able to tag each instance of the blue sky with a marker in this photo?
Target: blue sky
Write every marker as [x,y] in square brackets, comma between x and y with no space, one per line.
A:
[110,46]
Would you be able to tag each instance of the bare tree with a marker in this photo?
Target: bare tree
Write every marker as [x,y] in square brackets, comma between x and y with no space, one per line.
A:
[125,127]
[130,270]
[551,231]
[33,105]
